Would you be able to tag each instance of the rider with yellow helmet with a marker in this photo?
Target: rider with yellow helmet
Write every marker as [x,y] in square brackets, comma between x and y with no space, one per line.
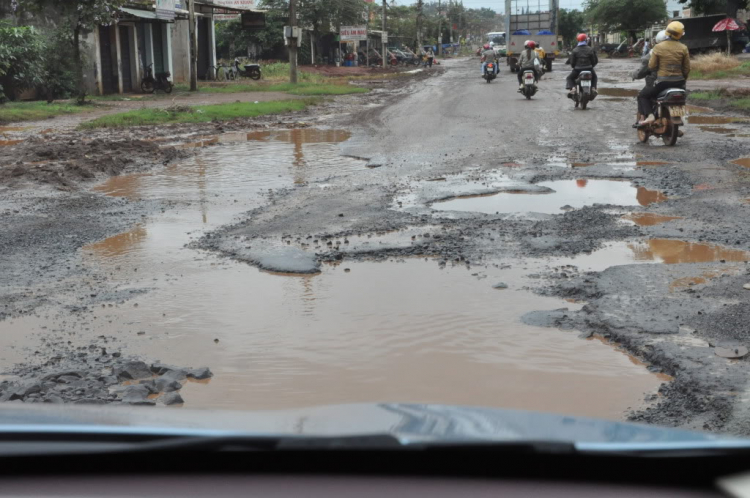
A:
[670,60]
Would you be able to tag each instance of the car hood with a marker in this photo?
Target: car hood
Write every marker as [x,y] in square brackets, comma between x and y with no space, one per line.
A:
[408,422]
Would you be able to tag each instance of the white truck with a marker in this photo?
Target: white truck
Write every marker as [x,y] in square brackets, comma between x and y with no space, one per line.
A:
[525,21]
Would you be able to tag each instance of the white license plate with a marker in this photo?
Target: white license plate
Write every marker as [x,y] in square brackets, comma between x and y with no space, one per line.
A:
[677,111]
[585,83]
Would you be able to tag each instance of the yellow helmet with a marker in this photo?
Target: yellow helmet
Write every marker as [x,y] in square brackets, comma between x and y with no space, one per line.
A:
[676,29]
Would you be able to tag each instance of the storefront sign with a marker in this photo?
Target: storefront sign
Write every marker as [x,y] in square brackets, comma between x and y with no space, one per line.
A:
[165,9]
[223,15]
[353,33]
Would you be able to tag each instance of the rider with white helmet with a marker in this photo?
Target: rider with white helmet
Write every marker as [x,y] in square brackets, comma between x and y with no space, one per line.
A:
[670,60]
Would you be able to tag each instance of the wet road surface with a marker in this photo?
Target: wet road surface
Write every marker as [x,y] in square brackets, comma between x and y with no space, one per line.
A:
[400,256]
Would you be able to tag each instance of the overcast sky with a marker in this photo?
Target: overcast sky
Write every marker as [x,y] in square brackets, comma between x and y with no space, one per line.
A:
[499,5]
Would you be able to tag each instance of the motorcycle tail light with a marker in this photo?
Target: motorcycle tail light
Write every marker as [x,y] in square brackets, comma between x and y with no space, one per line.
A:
[586,76]
[676,97]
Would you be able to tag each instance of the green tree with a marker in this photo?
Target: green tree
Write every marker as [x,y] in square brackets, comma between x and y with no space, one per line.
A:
[21,50]
[232,40]
[77,17]
[570,23]
[625,15]
[728,7]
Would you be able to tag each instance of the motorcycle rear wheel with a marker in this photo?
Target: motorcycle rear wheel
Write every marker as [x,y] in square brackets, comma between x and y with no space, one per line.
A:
[147,87]
[670,137]
[168,87]
[255,75]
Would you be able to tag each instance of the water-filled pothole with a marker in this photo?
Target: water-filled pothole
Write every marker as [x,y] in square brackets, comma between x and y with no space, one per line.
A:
[247,162]
[649,219]
[665,251]
[714,120]
[618,92]
[567,193]
[378,332]
[743,161]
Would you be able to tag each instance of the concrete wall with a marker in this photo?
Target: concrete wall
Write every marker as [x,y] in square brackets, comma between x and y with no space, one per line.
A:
[181,51]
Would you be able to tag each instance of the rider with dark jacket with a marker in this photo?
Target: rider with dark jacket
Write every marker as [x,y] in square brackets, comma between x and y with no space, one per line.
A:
[583,58]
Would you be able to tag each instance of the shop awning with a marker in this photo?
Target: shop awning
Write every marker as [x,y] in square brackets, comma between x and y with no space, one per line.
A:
[143,14]
[210,7]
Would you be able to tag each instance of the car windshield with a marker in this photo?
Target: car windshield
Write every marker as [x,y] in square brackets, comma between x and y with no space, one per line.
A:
[342,224]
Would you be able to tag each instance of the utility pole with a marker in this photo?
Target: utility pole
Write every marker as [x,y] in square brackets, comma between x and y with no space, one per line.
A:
[385,34]
[440,30]
[193,47]
[420,5]
[292,42]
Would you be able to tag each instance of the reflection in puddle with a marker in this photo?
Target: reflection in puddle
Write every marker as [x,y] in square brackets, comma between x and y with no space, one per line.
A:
[246,162]
[618,92]
[117,245]
[646,196]
[718,129]
[651,163]
[665,251]
[696,109]
[380,332]
[649,219]
[574,193]
[672,251]
[714,120]
[635,361]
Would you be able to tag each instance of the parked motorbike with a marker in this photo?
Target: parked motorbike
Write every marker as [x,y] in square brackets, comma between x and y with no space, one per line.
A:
[584,94]
[149,84]
[669,107]
[489,72]
[250,70]
[529,84]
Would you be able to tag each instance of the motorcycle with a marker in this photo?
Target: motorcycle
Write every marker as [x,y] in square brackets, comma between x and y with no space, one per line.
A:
[669,107]
[584,94]
[489,72]
[149,84]
[529,84]
[251,70]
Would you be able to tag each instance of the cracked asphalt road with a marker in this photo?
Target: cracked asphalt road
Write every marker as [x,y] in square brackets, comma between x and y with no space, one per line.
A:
[471,176]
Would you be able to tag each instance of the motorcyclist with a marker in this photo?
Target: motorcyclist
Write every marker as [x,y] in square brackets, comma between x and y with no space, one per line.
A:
[670,60]
[541,53]
[644,72]
[583,58]
[529,59]
[488,55]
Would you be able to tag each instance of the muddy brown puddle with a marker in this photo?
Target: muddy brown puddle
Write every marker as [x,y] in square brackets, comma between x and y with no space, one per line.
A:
[573,193]
[618,92]
[357,332]
[379,332]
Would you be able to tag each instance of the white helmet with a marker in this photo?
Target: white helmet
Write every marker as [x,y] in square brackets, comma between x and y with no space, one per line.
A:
[661,36]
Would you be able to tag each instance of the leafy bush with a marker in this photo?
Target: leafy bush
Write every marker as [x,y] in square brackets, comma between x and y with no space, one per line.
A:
[59,78]
[21,51]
